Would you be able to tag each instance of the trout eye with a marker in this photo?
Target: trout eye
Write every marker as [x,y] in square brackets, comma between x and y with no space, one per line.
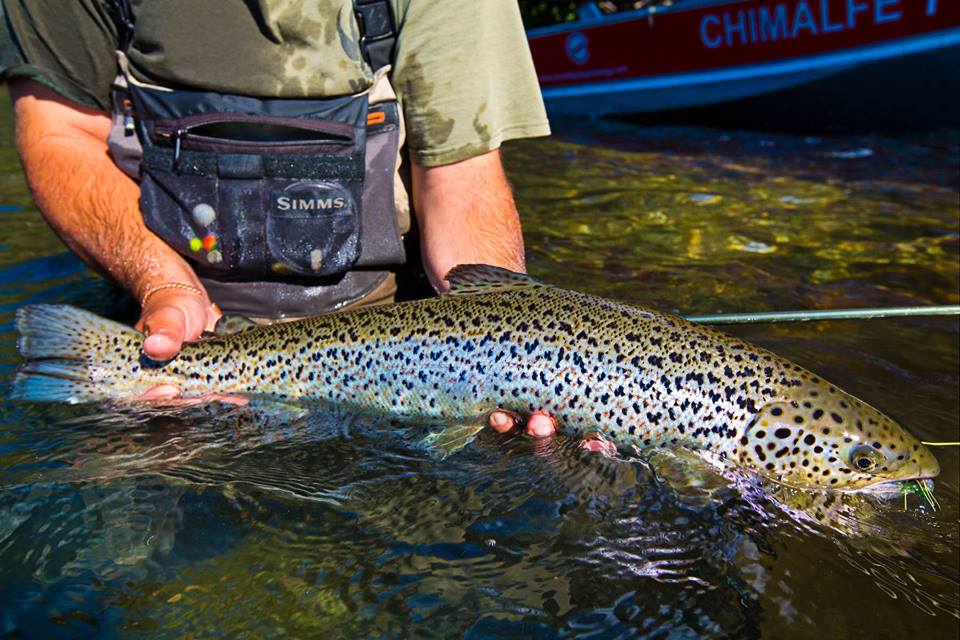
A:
[865,459]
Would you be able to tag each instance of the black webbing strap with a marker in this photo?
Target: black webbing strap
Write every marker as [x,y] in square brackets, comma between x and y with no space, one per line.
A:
[123,16]
[378,33]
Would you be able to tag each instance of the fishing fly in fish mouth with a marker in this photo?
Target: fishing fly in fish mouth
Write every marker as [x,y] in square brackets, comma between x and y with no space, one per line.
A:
[504,341]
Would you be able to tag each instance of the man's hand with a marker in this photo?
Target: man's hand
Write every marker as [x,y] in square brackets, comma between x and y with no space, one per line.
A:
[94,207]
[467,216]
[540,424]
[172,317]
[169,318]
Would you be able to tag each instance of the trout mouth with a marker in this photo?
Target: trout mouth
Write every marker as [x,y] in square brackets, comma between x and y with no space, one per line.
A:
[897,488]
[916,477]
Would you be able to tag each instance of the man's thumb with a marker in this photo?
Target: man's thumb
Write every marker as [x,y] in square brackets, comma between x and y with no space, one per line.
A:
[165,329]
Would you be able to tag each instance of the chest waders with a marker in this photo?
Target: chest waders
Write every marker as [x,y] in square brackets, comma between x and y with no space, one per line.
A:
[284,207]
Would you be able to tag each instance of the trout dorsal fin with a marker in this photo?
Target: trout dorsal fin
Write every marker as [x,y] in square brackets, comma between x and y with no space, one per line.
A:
[472,279]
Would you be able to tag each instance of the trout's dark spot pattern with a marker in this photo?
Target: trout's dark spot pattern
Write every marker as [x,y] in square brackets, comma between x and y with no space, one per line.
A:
[504,340]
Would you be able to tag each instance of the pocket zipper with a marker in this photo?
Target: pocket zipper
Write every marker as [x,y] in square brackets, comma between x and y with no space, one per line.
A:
[175,132]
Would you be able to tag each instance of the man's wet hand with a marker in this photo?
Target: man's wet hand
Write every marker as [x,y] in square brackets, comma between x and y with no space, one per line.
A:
[172,317]
[167,395]
[539,424]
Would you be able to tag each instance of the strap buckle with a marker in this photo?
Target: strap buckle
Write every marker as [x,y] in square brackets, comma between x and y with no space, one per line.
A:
[377,31]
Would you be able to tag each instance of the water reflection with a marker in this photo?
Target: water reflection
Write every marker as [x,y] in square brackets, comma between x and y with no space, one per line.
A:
[339,524]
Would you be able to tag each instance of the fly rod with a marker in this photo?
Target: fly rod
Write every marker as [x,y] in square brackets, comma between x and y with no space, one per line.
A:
[824,314]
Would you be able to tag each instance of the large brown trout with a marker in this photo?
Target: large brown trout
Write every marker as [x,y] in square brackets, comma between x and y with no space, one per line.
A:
[505,340]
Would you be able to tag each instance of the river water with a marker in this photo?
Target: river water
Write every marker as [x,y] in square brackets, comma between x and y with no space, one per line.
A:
[238,522]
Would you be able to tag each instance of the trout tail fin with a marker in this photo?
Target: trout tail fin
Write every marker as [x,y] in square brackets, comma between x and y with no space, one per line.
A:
[60,345]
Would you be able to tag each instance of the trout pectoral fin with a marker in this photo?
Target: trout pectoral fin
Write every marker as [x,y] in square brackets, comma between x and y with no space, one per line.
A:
[270,410]
[451,438]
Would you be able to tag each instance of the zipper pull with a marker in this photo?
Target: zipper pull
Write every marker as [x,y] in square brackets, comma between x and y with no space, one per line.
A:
[129,126]
[177,137]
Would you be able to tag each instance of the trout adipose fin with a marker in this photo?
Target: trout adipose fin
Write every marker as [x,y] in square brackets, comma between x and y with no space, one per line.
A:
[59,344]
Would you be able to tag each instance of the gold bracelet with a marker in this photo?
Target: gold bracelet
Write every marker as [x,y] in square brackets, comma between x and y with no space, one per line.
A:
[168,285]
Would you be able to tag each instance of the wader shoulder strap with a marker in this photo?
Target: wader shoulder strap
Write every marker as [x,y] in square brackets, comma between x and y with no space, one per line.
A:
[378,33]
[123,17]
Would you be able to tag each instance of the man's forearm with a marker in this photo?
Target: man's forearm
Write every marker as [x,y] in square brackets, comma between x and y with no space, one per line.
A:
[467,215]
[90,203]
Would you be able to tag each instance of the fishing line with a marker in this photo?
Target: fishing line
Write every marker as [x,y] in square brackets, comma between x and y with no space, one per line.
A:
[824,314]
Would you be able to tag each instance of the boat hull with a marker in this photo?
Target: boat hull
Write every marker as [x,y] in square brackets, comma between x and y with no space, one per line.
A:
[720,52]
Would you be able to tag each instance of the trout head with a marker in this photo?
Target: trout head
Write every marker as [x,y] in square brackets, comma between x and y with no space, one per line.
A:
[822,438]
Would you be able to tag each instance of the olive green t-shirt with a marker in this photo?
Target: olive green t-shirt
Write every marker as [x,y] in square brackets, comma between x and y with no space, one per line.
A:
[462,71]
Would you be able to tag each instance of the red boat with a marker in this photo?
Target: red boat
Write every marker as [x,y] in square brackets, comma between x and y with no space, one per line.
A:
[702,52]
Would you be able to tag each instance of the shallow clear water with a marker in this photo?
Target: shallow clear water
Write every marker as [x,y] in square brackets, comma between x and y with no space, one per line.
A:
[265,523]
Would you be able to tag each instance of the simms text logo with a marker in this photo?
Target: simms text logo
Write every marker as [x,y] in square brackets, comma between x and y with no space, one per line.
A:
[286,203]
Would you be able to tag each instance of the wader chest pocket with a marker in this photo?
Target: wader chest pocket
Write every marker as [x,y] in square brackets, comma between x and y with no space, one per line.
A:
[265,194]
